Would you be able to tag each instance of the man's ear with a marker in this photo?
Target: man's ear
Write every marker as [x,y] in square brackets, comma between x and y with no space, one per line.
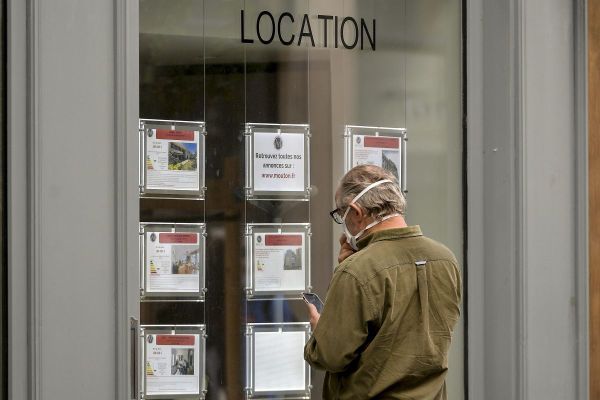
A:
[357,209]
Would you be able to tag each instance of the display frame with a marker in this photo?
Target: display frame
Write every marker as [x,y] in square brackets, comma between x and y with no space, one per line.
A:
[251,330]
[200,330]
[189,194]
[275,228]
[166,227]
[251,193]
[350,133]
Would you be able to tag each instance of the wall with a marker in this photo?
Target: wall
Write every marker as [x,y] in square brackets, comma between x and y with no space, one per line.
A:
[62,207]
[527,298]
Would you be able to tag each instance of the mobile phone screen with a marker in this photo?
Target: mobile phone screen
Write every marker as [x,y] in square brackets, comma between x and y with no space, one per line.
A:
[313,299]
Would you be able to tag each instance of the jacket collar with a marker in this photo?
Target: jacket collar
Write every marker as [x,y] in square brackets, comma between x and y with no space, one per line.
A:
[389,234]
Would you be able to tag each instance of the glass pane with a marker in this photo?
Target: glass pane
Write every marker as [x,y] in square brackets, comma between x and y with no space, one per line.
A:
[197,63]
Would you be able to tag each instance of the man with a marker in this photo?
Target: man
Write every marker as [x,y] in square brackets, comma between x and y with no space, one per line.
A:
[392,303]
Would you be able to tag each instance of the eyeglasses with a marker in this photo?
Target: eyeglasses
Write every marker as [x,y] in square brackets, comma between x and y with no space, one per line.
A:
[335,214]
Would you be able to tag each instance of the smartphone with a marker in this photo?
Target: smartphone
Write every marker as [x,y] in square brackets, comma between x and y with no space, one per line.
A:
[313,299]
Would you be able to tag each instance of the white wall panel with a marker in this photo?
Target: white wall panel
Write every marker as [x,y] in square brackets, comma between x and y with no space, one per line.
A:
[527,316]
[74,220]
[549,199]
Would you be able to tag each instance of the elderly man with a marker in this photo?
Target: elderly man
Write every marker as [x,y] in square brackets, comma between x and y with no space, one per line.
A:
[392,303]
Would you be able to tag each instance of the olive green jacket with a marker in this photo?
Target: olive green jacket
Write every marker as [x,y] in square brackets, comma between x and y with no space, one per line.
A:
[386,326]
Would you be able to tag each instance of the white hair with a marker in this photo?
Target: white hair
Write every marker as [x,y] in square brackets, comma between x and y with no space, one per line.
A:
[378,202]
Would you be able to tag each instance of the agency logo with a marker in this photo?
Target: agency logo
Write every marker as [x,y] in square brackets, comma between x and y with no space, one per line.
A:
[278,143]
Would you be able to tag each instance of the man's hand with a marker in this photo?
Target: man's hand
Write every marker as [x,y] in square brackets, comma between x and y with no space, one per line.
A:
[314,315]
[345,249]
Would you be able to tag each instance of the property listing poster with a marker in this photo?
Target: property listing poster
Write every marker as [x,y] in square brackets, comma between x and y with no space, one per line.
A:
[279,262]
[383,151]
[172,159]
[173,261]
[172,364]
[281,370]
[279,162]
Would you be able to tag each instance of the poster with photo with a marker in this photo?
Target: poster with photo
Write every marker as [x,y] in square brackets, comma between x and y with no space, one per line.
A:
[173,261]
[383,151]
[172,364]
[172,160]
[281,370]
[279,262]
[279,162]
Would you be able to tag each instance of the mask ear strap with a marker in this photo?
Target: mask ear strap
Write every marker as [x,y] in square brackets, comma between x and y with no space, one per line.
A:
[365,190]
[381,219]
[372,224]
[371,186]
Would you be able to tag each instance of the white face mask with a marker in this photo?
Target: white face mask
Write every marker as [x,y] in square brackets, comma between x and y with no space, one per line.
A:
[351,239]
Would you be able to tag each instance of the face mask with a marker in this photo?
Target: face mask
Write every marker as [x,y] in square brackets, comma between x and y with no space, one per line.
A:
[351,239]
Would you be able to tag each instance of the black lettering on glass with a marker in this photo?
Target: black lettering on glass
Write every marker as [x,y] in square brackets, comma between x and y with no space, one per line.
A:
[263,41]
[291,17]
[306,23]
[326,19]
[242,35]
[336,30]
[346,45]
[340,30]
[364,31]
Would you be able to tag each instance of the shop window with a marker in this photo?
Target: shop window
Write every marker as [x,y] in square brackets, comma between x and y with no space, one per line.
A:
[261,106]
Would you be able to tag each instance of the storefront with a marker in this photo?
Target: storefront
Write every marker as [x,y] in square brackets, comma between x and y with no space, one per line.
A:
[172,165]
[287,96]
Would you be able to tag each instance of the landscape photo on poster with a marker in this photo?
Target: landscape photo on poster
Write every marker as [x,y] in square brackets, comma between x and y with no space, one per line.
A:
[183,156]
[390,161]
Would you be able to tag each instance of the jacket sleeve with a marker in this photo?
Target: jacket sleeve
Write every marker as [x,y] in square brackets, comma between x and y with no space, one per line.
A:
[343,327]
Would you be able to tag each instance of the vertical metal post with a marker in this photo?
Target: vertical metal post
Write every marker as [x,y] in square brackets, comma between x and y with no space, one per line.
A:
[135,345]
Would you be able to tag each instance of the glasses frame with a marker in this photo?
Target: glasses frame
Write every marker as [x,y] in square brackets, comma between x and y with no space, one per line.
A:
[336,216]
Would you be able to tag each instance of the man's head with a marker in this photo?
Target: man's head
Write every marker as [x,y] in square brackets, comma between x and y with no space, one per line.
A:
[379,198]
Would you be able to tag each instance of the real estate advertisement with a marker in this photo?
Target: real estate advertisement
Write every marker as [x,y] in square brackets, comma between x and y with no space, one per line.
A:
[279,262]
[279,162]
[383,151]
[172,161]
[172,364]
[173,261]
